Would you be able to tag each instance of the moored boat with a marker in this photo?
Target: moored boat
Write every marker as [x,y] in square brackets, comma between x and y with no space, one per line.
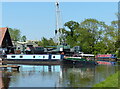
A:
[34,58]
[82,59]
[106,59]
[38,57]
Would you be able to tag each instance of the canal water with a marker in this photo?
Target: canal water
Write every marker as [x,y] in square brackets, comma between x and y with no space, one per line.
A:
[55,76]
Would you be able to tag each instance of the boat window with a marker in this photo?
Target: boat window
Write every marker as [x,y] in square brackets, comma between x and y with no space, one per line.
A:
[43,56]
[21,56]
[33,56]
[13,56]
[53,56]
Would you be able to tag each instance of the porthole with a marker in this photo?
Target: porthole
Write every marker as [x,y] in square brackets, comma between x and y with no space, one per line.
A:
[21,56]
[43,56]
[13,56]
[53,56]
[33,56]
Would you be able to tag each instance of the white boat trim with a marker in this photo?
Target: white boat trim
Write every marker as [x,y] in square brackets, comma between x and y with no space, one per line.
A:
[86,55]
[73,57]
[34,56]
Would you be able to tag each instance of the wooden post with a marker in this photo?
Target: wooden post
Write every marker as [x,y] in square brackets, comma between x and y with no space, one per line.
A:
[18,68]
[53,68]
[49,68]
[0,61]
[4,62]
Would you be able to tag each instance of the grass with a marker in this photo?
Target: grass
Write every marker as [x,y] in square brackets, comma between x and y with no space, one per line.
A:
[111,81]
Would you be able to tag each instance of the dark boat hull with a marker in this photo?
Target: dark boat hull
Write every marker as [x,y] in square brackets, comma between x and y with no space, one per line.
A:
[79,63]
[31,61]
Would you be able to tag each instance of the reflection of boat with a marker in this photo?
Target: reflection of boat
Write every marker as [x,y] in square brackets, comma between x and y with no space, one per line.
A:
[106,62]
[107,59]
[81,59]
[75,65]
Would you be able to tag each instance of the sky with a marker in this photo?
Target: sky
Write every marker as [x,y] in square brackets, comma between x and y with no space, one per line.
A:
[38,19]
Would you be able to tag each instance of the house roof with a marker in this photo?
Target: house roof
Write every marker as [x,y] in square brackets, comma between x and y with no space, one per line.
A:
[2,34]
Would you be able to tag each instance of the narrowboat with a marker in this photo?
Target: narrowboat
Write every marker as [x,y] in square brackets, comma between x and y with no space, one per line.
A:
[106,59]
[34,58]
[82,59]
[37,57]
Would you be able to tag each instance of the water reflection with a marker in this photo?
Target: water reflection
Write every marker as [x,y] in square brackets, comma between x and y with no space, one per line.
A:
[77,77]
[55,76]
[5,77]
[85,76]
[1,82]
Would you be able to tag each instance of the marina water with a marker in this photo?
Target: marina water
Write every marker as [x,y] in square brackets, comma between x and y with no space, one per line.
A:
[55,76]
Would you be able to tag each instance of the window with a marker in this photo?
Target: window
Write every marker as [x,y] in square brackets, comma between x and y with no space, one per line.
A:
[33,56]
[21,56]
[43,56]
[53,56]
[13,56]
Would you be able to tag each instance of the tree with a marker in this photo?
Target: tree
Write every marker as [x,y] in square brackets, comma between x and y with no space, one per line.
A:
[116,36]
[46,42]
[23,38]
[70,34]
[72,25]
[92,32]
[15,34]
[91,35]
[51,42]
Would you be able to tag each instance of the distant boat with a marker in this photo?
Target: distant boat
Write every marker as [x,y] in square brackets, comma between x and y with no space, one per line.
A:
[106,56]
[106,59]
[80,59]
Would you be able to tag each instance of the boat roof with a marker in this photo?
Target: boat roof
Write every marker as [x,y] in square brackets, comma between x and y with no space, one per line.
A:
[87,55]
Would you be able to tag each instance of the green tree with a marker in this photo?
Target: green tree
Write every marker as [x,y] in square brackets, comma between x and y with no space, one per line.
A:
[116,36]
[91,31]
[91,35]
[51,42]
[46,42]
[70,34]
[72,25]
[23,38]
[15,34]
